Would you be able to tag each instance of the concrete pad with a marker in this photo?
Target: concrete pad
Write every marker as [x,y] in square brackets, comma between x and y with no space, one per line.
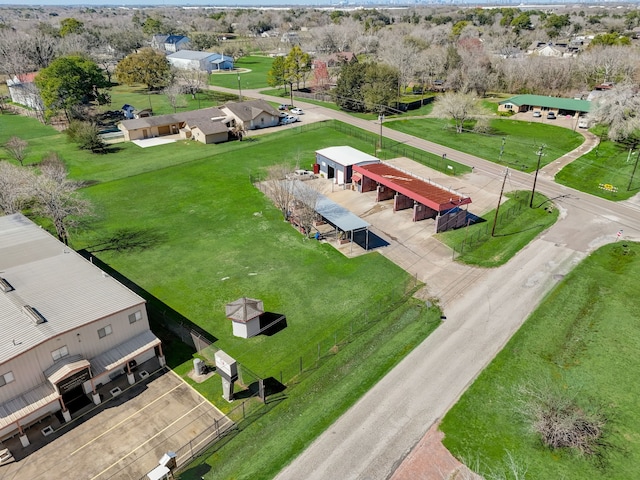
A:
[127,437]
[153,142]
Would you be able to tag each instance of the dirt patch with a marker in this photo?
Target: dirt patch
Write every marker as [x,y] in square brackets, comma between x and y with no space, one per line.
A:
[430,460]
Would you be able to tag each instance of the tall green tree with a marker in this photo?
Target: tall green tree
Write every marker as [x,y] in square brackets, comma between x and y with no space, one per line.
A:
[277,74]
[146,66]
[348,92]
[69,26]
[381,86]
[69,81]
[298,66]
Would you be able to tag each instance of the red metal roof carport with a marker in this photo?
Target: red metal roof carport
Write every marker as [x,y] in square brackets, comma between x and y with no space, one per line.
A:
[422,191]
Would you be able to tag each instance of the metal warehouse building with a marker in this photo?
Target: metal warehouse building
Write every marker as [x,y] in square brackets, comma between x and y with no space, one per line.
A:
[66,328]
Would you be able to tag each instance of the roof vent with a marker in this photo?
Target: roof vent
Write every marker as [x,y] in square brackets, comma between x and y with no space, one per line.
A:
[5,286]
[34,314]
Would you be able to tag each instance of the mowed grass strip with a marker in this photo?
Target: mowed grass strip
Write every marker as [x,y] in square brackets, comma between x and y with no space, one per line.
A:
[252,70]
[583,340]
[522,140]
[517,225]
[608,171]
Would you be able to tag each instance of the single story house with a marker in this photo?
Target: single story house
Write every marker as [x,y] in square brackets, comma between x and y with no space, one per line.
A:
[170,43]
[253,114]
[23,91]
[557,105]
[207,125]
[338,162]
[202,61]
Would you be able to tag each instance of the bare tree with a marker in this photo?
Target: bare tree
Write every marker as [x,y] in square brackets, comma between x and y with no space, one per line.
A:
[279,189]
[16,187]
[306,200]
[461,107]
[17,148]
[174,93]
[192,81]
[618,108]
[56,198]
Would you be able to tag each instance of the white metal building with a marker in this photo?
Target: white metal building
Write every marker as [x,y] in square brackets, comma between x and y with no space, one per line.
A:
[66,327]
[337,162]
[202,61]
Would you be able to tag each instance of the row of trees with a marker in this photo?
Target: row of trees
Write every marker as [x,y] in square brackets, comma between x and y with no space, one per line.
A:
[289,70]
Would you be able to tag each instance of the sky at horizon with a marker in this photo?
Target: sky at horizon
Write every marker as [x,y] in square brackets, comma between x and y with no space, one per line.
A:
[265,3]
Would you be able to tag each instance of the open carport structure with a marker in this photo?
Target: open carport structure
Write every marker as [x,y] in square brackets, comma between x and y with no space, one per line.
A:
[345,223]
[426,198]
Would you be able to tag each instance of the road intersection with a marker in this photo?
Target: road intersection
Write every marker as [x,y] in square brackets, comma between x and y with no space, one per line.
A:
[483,309]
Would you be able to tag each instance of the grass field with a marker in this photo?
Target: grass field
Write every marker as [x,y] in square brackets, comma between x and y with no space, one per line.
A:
[249,80]
[516,226]
[140,98]
[204,236]
[521,140]
[609,164]
[582,340]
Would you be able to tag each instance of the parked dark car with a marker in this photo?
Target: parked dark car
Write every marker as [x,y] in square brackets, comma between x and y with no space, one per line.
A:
[283,106]
[551,116]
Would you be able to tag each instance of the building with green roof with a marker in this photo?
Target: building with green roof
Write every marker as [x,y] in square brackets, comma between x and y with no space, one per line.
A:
[557,105]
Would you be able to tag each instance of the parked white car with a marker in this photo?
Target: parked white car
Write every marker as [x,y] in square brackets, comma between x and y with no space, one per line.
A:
[301,175]
[297,111]
[583,123]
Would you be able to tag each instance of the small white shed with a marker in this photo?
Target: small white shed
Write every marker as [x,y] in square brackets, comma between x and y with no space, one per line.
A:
[244,314]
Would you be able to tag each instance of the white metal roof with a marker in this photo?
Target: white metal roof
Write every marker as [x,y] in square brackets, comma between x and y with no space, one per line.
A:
[191,55]
[347,155]
[121,354]
[26,403]
[67,290]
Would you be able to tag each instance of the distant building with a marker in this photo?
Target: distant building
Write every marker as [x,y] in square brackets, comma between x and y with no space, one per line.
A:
[170,43]
[23,91]
[252,114]
[557,105]
[201,61]
[66,326]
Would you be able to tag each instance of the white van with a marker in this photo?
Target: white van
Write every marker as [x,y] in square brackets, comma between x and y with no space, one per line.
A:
[583,122]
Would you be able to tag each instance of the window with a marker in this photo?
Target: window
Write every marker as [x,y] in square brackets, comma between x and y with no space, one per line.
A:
[103,332]
[60,353]
[6,378]
[136,316]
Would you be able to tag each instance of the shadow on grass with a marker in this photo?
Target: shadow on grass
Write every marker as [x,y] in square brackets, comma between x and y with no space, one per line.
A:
[272,323]
[127,240]
[196,473]
[174,329]
[271,387]
[533,227]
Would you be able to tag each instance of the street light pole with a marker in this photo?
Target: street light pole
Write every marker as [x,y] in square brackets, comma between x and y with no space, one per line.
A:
[381,119]
[239,87]
[535,178]
[495,218]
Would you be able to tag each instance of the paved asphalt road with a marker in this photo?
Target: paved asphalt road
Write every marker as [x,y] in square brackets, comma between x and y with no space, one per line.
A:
[373,437]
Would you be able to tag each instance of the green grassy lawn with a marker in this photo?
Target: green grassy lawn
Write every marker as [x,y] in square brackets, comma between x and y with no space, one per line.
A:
[609,164]
[521,140]
[205,236]
[256,78]
[517,225]
[141,98]
[583,340]
[267,444]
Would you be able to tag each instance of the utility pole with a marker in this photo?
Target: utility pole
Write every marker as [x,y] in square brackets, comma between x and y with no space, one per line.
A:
[239,88]
[535,178]
[495,219]
[501,150]
[633,173]
[381,119]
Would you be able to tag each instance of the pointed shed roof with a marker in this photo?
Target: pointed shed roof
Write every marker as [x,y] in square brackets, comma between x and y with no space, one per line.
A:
[244,309]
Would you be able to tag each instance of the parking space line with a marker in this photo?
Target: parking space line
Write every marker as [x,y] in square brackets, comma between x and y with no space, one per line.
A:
[123,421]
[151,438]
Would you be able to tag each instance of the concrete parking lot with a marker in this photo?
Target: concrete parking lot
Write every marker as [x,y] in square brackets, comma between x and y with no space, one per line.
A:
[125,438]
